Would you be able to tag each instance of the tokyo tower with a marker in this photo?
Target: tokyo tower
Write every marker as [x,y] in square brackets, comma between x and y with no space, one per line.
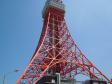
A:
[57,52]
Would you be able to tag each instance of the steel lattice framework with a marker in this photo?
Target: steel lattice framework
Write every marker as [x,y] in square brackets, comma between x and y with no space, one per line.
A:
[58,51]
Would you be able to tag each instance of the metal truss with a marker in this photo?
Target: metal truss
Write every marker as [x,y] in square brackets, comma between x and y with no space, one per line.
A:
[59,52]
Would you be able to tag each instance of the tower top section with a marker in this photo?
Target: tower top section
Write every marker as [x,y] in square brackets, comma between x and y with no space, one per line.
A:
[56,4]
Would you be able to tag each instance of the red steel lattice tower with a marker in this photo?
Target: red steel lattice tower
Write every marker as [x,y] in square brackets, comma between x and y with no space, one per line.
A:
[57,52]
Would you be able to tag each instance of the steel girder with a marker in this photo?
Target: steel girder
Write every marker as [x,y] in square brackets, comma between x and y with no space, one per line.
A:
[58,51]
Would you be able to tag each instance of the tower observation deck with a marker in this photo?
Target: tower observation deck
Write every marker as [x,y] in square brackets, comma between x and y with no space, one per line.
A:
[55,4]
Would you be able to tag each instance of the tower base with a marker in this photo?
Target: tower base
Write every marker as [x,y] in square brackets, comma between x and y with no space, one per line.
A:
[54,79]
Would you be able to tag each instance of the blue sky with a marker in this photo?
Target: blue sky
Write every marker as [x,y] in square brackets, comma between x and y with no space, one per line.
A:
[89,21]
